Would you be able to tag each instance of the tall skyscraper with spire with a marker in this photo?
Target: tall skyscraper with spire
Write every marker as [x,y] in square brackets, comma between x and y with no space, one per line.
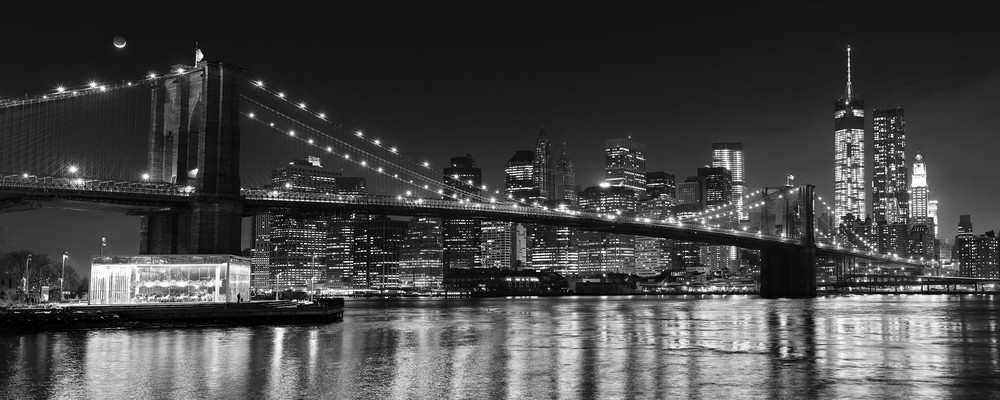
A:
[890,195]
[849,151]
[543,166]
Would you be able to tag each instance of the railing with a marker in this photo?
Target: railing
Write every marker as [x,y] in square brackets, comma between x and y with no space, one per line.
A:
[32,183]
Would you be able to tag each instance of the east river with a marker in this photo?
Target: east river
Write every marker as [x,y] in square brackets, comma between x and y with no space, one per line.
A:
[698,347]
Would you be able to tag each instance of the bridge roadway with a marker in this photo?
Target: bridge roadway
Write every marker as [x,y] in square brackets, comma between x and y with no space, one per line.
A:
[23,191]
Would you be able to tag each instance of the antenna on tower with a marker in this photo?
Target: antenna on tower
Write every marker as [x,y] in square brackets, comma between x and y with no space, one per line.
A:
[849,91]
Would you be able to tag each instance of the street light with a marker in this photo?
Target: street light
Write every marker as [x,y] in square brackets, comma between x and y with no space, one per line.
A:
[64,257]
[276,278]
[25,277]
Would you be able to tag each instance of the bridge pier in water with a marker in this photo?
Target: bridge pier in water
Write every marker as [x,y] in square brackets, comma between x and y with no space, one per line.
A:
[789,270]
[788,273]
[195,141]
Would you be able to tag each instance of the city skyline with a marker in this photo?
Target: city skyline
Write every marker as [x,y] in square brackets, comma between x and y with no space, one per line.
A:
[946,108]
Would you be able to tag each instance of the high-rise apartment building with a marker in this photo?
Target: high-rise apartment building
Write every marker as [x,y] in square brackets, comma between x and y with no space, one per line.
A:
[730,157]
[890,192]
[625,164]
[977,255]
[849,152]
[461,236]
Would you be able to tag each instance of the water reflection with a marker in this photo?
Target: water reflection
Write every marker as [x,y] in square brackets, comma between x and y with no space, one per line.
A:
[588,347]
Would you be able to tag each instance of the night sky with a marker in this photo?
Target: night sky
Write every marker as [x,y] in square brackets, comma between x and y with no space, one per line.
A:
[446,79]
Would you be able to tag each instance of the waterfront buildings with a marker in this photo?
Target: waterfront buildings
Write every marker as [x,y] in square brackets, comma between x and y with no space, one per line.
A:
[602,252]
[420,258]
[977,255]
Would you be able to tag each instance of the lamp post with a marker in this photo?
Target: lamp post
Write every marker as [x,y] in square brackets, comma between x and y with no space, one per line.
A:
[104,243]
[276,277]
[63,277]
[25,277]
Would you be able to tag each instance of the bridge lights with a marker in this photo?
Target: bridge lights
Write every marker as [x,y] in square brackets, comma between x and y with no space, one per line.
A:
[259,83]
[92,84]
[145,176]
[288,185]
[377,142]
[251,115]
[104,88]
[393,150]
[25,176]
[180,70]
[409,193]
[322,115]
[281,95]
[151,75]
[291,133]
[426,164]
[302,106]
[60,89]
[310,141]
[73,169]
[329,149]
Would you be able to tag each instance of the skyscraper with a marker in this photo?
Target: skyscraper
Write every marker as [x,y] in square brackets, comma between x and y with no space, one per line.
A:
[977,255]
[376,252]
[919,201]
[303,248]
[519,177]
[730,157]
[625,164]
[461,236]
[543,166]
[564,176]
[890,195]
[849,151]
[602,252]
[932,213]
[659,183]
[420,262]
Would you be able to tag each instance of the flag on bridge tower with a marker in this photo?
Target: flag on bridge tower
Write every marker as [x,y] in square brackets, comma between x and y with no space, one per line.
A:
[198,56]
[788,179]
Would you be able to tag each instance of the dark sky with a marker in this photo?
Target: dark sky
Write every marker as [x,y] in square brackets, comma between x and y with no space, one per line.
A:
[445,79]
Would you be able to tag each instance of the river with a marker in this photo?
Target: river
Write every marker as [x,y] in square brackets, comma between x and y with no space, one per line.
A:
[697,347]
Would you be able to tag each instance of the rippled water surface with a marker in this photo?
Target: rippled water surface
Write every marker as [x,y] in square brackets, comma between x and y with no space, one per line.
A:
[583,347]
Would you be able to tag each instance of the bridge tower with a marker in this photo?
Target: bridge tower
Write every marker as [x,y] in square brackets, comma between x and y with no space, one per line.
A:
[789,271]
[195,141]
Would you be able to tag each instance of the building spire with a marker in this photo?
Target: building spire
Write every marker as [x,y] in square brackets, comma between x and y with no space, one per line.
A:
[850,93]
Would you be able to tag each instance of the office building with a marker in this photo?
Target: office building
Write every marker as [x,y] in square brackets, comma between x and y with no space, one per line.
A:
[543,163]
[849,152]
[564,176]
[377,244]
[601,252]
[660,184]
[890,192]
[625,164]
[730,157]
[461,236]
[420,260]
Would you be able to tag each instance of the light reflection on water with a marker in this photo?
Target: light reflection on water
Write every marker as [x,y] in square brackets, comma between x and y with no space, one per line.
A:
[586,347]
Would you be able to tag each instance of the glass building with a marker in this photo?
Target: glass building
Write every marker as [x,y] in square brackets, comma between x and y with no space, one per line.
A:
[890,192]
[420,264]
[730,157]
[849,152]
[169,279]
